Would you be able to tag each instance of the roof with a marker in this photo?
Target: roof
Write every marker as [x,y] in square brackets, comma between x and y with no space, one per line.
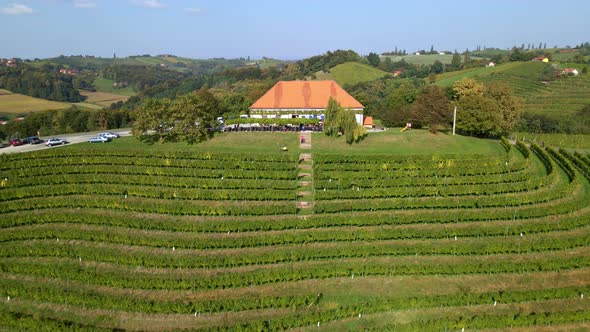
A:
[368,121]
[570,70]
[305,95]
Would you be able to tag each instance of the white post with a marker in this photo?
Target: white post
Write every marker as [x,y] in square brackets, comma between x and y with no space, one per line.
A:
[454,119]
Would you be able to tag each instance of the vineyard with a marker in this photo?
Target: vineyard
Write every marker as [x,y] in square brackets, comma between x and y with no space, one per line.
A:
[104,238]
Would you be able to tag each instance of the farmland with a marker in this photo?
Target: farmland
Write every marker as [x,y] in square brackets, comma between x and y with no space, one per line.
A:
[559,97]
[103,99]
[12,104]
[106,86]
[463,233]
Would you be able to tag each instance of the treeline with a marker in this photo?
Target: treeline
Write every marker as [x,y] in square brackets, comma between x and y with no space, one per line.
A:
[577,123]
[324,62]
[39,82]
[73,120]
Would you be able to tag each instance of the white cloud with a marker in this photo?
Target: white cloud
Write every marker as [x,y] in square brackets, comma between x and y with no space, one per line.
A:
[193,10]
[150,3]
[16,9]
[84,4]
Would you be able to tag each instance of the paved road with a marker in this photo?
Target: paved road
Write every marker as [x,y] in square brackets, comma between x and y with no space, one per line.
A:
[72,138]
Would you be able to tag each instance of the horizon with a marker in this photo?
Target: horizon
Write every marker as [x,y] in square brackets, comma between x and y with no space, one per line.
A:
[260,28]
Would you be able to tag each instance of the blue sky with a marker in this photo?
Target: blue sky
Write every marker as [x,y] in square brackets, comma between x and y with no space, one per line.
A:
[285,29]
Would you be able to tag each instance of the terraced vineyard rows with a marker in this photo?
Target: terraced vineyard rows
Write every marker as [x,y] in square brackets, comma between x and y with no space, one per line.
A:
[213,241]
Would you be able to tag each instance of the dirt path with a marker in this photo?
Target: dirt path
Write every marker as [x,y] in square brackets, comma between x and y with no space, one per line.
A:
[305,193]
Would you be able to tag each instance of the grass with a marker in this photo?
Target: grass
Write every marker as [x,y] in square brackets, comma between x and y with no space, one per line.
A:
[105,85]
[241,142]
[352,73]
[425,59]
[103,99]
[414,142]
[12,104]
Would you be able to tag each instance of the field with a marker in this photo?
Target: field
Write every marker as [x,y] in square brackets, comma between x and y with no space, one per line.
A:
[351,73]
[566,141]
[102,98]
[560,97]
[12,104]
[404,232]
[105,85]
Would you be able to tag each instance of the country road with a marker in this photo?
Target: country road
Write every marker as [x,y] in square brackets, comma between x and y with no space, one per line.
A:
[72,138]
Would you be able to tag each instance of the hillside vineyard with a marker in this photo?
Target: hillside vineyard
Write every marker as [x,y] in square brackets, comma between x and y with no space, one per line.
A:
[214,241]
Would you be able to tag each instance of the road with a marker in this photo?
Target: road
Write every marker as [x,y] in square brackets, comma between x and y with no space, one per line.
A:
[72,138]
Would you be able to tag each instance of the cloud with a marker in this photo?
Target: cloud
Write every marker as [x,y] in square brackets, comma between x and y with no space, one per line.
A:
[150,3]
[16,9]
[84,4]
[193,10]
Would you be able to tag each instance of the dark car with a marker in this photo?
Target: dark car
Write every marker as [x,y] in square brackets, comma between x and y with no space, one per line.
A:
[16,142]
[32,140]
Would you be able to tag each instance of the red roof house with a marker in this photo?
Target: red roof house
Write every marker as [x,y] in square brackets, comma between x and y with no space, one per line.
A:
[305,99]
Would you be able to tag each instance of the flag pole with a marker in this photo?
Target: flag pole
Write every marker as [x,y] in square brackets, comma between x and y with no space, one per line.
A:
[454,119]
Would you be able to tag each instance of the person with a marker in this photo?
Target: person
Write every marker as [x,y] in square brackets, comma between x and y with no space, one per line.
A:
[302,138]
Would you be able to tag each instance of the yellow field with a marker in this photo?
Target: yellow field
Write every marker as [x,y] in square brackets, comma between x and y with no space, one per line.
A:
[102,98]
[14,103]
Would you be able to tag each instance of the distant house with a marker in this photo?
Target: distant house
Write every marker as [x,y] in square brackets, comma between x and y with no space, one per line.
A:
[66,71]
[441,53]
[541,59]
[303,99]
[163,65]
[10,63]
[572,71]
[368,122]
[417,53]
[397,73]
[491,64]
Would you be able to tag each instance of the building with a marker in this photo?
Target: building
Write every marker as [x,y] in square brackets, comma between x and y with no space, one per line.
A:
[491,64]
[368,122]
[572,71]
[68,71]
[541,59]
[303,99]
[397,73]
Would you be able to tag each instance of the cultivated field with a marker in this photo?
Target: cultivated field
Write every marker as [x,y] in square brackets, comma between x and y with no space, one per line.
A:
[445,233]
[102,98]
[105,85]
[13,103]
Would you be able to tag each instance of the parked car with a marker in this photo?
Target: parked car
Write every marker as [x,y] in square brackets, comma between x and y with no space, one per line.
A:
[99,139]
[109,135]
[2,145]
[16,142]
[32,140]
[56,141]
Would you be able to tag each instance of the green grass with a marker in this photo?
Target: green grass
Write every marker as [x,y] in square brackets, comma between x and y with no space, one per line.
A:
[241,142]
[413,142]
[352,73]
[425,59]
[105,85]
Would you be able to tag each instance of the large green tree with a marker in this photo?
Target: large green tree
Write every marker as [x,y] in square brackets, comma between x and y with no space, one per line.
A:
[508,105]
[478,115]
[373,59]
[432,108]
[340,121]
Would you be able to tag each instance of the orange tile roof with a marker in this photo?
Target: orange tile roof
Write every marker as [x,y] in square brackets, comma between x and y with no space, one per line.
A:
[305,94]
[368,121]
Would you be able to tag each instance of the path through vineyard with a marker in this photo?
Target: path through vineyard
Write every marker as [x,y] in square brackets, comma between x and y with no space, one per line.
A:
[305,194]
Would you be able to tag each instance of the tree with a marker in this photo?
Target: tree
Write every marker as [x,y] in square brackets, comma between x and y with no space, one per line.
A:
[437,67]
[477,116]
[467,87]
[456,61]
[585,70]
[153,114]
[339,121]
[432,108]
[509,106]
[373,59]
[194,115]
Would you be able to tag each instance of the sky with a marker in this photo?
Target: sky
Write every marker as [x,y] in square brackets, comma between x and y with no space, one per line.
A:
[283,29]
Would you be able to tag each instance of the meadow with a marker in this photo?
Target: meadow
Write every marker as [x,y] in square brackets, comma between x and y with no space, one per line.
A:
[12,104]
[405,231]
[106,86]
[351,73]
[102,99]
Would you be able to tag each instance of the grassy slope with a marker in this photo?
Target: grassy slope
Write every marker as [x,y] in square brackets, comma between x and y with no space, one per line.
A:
[352,73]
[578,142]
[14,103]
[557,98]
[105,85]
[414,142]
[102,98]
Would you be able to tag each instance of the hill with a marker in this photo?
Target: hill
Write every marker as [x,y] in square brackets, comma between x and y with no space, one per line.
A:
[438,232]
[12,104]
[351,73]
[555,97]
[423,59]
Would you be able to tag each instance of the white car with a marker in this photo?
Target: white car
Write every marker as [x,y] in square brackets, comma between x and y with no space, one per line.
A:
[99,139]
[55,141]
[109,135]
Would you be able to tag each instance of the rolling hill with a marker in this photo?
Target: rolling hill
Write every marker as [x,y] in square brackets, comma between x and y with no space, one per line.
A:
[352,73]
[558,97]
[12,104]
